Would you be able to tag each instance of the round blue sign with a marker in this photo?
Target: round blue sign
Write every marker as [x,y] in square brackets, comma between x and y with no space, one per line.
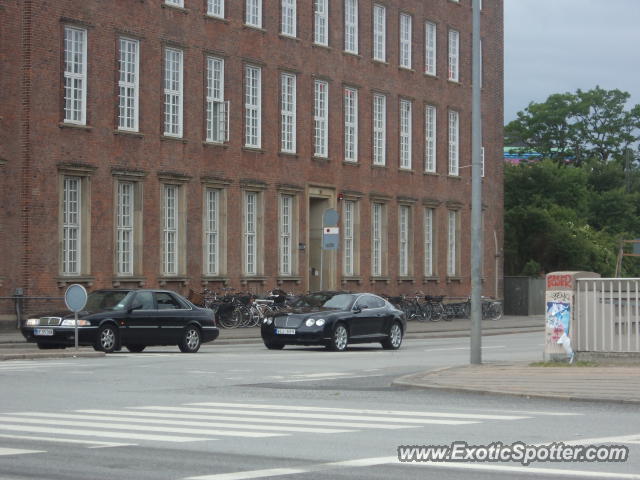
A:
[75,298]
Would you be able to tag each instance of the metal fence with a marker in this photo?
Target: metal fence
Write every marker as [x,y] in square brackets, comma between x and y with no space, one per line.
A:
[22,307]
[607,317]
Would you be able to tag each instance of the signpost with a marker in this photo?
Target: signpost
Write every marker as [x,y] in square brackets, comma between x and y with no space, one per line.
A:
[75,298]
[330,235]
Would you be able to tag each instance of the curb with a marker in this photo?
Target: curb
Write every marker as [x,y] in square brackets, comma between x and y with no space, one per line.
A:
[43,355]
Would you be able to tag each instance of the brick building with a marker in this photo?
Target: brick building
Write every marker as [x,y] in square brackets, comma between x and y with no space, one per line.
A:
[192,143]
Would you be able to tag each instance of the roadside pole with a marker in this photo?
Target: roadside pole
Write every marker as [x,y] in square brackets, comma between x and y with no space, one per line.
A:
[476,195]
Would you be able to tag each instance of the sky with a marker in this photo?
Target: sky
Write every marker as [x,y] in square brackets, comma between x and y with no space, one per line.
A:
[557,46]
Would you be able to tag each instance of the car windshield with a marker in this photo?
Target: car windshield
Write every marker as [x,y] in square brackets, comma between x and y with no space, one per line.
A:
[334,301]
[111,300]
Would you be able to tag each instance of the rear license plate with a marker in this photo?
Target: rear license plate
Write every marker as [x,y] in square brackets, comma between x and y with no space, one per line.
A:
[285,331]
[43,332]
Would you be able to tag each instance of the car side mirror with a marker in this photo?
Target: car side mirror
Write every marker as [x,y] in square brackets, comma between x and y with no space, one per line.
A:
[135,307]
[357,309]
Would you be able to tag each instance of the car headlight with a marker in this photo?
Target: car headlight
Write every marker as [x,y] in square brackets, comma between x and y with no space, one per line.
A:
[32,322]
[268,321]
[320,322]
[70,322]
[310,322]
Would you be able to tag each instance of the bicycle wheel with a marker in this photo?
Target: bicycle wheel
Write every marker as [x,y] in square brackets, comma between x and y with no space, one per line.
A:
[425,312]
[495,311]
[449,312]
[437,312]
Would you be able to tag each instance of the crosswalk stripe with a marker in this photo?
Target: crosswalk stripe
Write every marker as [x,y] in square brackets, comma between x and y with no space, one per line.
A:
[145,428]
[247,412]
[99,433]
[95,443]
[199,424]
[236,418]
[358,411]
[17,451]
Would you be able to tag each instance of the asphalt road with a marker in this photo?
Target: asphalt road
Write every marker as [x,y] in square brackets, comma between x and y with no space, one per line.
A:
[234,412]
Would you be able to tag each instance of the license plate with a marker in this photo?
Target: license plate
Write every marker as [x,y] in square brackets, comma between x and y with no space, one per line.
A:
[43,332]
[285,331]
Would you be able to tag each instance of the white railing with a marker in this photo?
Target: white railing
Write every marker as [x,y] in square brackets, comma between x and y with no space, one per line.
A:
[607,316]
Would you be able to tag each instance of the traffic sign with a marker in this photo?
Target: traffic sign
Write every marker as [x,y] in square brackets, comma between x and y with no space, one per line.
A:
[330,238]
[75,298]
[330,218]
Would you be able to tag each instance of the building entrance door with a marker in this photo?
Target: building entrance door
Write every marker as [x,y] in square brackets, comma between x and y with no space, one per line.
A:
[317,207]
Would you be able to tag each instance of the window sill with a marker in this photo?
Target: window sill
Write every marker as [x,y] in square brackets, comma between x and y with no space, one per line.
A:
[321,160]
[350,163]
[216,19]
[286,278]
[118,281]
[346,280]
[383,167]
[406,170]
[174,7]
[75,126]
[172,139]
[380,62]
[319,45]
[253,149]
[215,144]
[284,36]
[352,54]
[128,133]
[431,174]
[431,75]
[410,280]
[454,82]
[430,280]
[406,69]
[207,279]
[163,280]
[254,27]
[245,280]
[288,154]
[454,177]
[454,279]
[64,281]
[380,279]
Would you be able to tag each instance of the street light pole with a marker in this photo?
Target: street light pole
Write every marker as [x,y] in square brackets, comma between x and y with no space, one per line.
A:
[476,194]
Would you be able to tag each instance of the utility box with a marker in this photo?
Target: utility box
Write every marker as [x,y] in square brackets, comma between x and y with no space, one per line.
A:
[560,297]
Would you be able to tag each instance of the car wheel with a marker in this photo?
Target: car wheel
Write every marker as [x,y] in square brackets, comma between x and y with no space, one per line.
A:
[107,338]
[190,340]
[274,345]
[394,340]
[50,346]
[339,339]
[135,348]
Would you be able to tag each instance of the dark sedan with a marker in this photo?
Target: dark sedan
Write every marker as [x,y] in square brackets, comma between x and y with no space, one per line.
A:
[335,319]
[134,319]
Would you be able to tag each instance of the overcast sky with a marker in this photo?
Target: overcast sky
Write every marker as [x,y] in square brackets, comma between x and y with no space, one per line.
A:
[556,46]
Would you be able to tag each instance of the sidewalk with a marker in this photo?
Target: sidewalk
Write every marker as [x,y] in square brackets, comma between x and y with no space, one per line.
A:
[600,383]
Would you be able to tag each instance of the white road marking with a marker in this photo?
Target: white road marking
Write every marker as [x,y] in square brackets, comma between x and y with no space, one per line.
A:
[407,413]
[635,438]
[96,443]
[458,348]
[327,378]
[143,428]
[16,451]
[271,472]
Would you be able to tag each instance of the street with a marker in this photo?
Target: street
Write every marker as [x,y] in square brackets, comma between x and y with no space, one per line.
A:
[241,411]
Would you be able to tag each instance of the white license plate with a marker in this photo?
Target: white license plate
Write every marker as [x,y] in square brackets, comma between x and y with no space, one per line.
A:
[43,332]
[285,331]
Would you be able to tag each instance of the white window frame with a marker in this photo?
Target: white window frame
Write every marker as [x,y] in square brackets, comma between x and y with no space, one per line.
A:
[253,13]
[351,26]
[430,134]
[75,75]
[321,22]
[430,48]
[173,92]
[253,106]
[288,109]
[125,228]
[289,18]
[170,229]
[286,235]
[212,231]
[454,143]
[250,231]
[128,84]
[216,108]
[72,226]
[405,40]
[215,8]
[348,238]
[454,56]
[404,240]
[452,243]
[321,118]
[379,33]
[377,239]
[429,230]
[350,124]
[406,127]
[379,129]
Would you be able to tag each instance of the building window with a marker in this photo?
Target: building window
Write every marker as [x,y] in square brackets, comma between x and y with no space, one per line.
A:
[75,75]
[453,251]
[125,228]
[215,8]
[404,240]
[405,40]
[170,230]
[175,3]
[253,13]
[377,239]
[321,22]
[212,231]
[321,118]
[173,98]
[454,139]
[430,48]
[405,134]
[350,125]
[128,85]
[349,238]
[454,55]
[351,26]
[253,107]
[72,226]
[250,231]
[288,113]
[430,138]
[217,110]
[289,18]
[429,254]
[379,33]
[286,234]
[379,129]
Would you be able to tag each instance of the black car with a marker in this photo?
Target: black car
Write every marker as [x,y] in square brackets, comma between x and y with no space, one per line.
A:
[131,318]
[335,319]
